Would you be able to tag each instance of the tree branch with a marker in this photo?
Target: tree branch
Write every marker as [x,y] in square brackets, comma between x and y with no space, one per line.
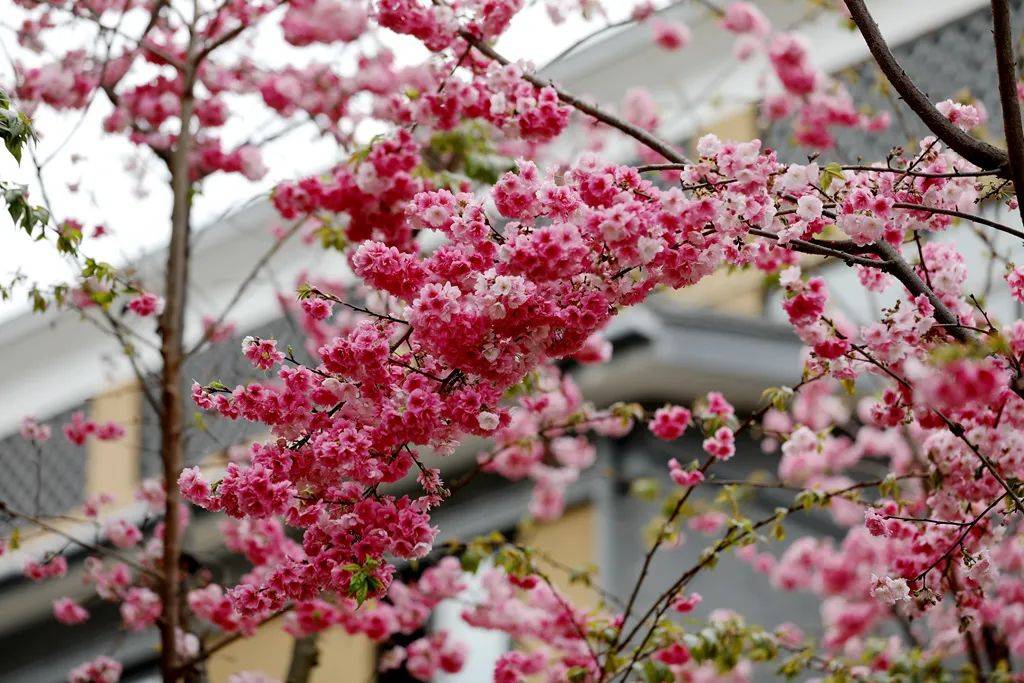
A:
[1006,62]
[901,270]
[246,282]
[639,134]
[960,214]
[305,658]
[979,153]
[92,547]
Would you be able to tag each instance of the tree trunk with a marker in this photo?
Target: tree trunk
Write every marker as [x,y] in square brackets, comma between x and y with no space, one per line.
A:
[305,658]
[172,323]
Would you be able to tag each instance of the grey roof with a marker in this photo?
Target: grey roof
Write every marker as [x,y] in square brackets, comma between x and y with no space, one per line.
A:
[949,62]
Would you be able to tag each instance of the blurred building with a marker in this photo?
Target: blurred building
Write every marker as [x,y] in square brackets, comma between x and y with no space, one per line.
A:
[724,334]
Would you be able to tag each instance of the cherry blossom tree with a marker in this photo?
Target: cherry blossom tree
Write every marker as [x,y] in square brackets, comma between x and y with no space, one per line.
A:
[477,276]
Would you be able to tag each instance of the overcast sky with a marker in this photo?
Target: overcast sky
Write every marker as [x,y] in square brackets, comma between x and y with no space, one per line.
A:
[85,176]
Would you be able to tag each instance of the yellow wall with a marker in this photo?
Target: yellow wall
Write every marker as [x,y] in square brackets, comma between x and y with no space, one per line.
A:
[113,466]
[343,658]
[569,542]
[741,292]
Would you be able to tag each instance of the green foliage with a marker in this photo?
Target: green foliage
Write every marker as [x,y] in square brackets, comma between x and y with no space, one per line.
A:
[656,672]
[466,151]
[516,561]
[645,488]
[828,174]
[627,412]
[477,550]
[526,386]
[779,397]
[331,235]
[25,216]
[362,583]
[16,132]
[15,127]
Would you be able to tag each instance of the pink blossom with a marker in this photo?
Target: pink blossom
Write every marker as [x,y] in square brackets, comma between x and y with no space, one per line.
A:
[67,611]
[109,431]
[100,670]
[146,304]
[52,568]
[889,590]
[434,653]
[317,308]
[122,533]
[684,604]
[674,654]
[262,353]
[670,422]
[744,17]
[683,477]
[79,428]
[215,331]
[722,445]
[963,116]
[671,35]
[31,430]
[141,608]
[1015,281]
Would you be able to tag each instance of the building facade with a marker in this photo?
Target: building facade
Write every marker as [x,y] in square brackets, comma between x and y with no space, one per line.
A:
[725,334]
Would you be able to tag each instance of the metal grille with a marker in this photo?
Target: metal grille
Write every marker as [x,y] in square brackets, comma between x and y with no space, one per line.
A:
[223,362]
[57,466]
[951,61]
[62,464]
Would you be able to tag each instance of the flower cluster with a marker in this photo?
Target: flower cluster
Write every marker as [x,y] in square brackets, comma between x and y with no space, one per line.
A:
[470,299]
[80,429]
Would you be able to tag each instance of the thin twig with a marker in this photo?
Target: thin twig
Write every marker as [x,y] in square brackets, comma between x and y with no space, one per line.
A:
[639,134]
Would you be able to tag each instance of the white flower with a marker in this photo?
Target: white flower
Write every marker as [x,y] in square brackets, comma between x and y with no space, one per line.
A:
[798,177]
[889,590]
[488,421]
[789,276]
[808,208]
[708,145]
[648,247]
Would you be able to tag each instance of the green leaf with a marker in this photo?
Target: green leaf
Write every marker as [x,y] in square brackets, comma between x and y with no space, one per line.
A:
[831,172]
[645,488]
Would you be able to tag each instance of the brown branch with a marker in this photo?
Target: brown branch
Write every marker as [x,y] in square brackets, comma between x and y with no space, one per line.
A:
[172,355]
[601,31]
[960,214]
[305,658]
[979,153]
[955,428]
[968,527]
[246,282]
[1006,61]
[92,547]
[731,537]
[648,168]
[819,248]
[918,174]
[618,643]
[117,329]
[896,266]
[639,134]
